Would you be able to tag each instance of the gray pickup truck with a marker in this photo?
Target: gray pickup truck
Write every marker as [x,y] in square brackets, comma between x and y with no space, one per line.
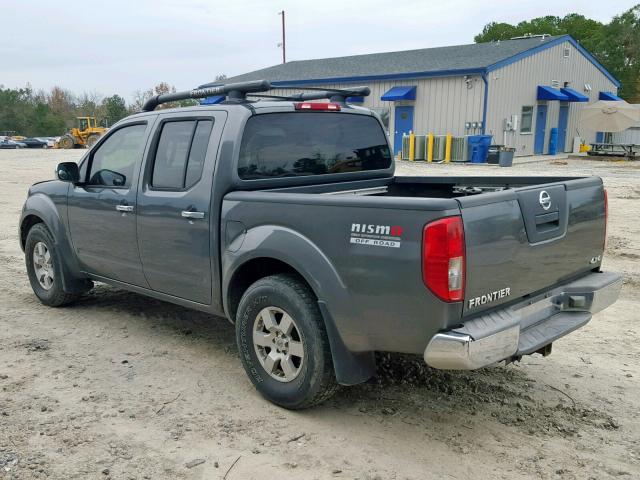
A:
[285,216]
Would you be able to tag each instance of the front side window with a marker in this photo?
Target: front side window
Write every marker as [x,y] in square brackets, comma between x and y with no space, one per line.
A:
[114,161]
[305,143]
[180,155]
[527,119]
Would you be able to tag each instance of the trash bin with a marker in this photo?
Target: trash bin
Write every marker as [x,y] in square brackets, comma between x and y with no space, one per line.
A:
[494,154]
[505,156]
[479,148]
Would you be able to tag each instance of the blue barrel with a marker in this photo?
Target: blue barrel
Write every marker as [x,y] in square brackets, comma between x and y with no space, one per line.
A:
[479,148]
[553,141]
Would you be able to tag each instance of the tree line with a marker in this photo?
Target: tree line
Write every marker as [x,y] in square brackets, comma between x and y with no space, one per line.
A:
[52,113]
[616,45]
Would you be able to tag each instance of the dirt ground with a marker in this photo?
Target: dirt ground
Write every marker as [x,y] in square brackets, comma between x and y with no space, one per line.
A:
[124,387]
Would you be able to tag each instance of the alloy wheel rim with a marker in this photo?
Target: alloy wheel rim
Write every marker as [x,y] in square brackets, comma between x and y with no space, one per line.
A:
[43,265]
[278,344]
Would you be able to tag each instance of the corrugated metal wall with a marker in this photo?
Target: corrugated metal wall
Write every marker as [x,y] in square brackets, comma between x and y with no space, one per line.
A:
[514,86]
[442,105]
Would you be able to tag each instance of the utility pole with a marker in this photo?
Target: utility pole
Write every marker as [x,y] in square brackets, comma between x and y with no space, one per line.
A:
[284,42]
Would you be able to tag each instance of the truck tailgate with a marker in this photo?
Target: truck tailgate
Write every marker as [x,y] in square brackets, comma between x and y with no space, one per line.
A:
[527,239]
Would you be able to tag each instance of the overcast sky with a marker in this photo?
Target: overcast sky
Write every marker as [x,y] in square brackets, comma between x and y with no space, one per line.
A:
[119,46]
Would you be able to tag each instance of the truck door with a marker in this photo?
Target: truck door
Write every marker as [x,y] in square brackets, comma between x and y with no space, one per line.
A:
[102,211]
[176,238]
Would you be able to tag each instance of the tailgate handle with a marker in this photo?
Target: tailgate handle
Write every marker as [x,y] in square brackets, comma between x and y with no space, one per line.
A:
[548,220]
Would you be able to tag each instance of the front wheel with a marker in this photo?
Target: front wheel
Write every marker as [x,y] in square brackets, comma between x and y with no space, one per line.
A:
[92,140]
[44,268]
[283,343]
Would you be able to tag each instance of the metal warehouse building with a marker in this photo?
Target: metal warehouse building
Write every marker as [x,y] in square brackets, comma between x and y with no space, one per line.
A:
[515,90]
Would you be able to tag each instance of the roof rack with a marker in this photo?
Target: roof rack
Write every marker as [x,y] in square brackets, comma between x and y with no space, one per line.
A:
[234,92]
[238,92]
[335,95]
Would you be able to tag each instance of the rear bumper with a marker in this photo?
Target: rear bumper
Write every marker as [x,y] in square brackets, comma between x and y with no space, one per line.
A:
[523,328]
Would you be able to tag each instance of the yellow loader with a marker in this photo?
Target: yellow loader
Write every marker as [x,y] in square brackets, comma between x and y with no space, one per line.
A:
[86,134]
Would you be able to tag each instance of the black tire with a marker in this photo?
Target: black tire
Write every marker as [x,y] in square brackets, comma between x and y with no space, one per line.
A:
[55,296]
[92,140]
[315,381]
[66,142]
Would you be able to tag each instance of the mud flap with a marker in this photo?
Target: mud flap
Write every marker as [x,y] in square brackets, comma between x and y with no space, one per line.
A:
[351,368]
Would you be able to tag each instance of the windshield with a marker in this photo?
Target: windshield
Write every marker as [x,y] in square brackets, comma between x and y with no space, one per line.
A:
[311,143]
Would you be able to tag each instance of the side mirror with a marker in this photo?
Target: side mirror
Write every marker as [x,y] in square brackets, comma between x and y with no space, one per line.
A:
[68,172]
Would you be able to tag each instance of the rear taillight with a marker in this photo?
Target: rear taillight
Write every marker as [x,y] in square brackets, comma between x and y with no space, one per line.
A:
[443,258]
[333,107]
[606,218]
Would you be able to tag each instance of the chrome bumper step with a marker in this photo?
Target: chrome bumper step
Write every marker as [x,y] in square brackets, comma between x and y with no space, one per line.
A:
[523,328]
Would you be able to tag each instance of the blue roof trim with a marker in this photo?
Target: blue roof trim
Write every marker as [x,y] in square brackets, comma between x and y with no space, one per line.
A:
[391,76]
[550,93]
[212,100]
[549,44]
[399,93]
[574,96]
[609,96]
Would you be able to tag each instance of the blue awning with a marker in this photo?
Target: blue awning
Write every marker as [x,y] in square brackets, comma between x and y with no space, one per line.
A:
[550,93]
[608,96]
[399,93]
[574,96]
[355,99]
[212,100]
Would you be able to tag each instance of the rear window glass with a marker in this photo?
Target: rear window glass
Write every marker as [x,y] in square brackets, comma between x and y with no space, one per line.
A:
[311,143]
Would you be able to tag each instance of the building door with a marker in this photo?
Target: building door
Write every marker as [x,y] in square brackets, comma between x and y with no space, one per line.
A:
[403,124]
[563,120]
[541,130]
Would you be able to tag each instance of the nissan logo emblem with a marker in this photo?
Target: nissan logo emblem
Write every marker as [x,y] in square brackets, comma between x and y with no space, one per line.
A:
[545,200]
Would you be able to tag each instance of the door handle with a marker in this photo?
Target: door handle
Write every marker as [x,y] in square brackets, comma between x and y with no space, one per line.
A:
[124,208]
[195,215]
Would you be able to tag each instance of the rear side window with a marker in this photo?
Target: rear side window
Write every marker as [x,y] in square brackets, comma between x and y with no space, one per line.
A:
[311,143]
[180,154]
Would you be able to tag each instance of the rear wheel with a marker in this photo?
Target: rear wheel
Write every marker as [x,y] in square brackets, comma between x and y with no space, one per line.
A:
[66,142]
[283,343]
[44,268]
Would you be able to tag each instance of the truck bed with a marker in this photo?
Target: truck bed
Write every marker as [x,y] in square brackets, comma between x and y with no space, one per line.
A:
[515,247]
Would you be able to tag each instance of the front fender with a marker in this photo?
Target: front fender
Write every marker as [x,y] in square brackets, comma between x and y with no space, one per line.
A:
[53,215]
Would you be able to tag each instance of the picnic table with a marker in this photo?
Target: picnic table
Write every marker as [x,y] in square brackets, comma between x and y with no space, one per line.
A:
[614,149]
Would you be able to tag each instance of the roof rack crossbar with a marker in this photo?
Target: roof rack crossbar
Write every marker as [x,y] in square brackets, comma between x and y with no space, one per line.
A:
[235,92]
[336,95]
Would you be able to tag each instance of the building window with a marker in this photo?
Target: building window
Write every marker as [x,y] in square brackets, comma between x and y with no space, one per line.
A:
[526,119]
[566,52]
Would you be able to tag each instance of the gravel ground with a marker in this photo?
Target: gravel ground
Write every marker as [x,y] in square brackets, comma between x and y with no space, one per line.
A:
[125,387]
